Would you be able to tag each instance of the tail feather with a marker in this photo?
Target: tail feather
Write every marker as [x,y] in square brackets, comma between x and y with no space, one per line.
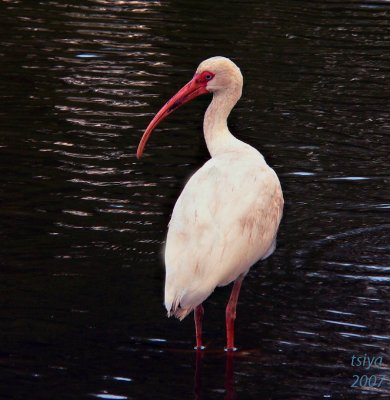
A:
[174,309]
[180,302]
[180,313]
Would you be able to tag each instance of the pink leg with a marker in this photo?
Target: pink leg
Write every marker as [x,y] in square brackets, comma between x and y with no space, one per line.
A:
[231,313]
[198,316]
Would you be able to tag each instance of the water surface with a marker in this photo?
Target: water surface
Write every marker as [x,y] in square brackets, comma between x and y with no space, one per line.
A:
[83,222]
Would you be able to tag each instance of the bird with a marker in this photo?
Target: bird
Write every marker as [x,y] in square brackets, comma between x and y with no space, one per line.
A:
[227,216]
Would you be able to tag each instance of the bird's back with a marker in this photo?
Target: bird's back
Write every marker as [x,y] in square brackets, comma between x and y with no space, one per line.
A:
[225,220]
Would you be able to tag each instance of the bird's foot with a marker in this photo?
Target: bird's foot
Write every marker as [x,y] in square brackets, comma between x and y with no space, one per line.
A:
[230,349]
[199,348]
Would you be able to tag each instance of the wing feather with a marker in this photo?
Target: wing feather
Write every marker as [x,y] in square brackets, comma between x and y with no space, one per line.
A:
[224,221]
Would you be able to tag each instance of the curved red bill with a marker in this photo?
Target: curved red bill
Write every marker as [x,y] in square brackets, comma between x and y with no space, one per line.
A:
[192,89]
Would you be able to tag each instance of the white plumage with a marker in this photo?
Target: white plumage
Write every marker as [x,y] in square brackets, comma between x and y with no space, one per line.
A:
[227,216]
[220,226]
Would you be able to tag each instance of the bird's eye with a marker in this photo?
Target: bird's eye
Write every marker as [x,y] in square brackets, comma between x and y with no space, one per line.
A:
[206,76]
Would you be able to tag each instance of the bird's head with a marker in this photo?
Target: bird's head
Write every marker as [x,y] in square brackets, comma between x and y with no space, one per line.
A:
[214,75]
[219,74]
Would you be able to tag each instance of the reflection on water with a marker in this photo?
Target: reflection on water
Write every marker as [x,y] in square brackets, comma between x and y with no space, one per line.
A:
[83,222]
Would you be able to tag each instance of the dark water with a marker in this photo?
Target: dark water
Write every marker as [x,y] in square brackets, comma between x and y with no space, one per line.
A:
[83,222]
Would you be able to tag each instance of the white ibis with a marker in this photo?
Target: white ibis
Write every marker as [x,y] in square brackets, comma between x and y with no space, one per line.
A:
[227,216]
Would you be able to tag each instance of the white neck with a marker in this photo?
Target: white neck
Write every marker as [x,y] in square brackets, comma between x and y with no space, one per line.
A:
[216,132]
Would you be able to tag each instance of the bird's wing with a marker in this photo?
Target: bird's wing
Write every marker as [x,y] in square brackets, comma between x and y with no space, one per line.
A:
[224,221]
